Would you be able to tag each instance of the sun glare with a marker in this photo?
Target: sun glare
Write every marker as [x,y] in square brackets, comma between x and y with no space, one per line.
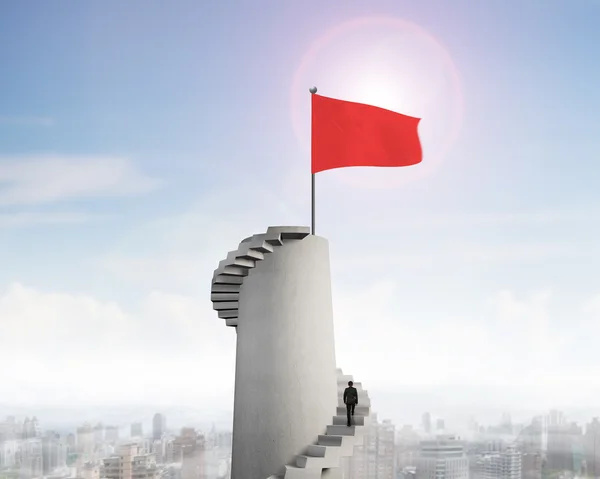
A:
[392,64]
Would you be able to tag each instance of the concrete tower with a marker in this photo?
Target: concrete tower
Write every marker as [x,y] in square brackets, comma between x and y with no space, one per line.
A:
[275,289]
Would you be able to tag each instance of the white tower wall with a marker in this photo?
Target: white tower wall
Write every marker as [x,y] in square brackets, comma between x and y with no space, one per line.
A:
[285,382]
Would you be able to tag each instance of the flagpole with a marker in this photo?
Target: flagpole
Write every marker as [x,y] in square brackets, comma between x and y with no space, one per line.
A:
[312,91]
[312,204]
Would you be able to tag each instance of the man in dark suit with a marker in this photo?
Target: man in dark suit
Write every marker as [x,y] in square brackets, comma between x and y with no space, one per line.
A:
[350,400]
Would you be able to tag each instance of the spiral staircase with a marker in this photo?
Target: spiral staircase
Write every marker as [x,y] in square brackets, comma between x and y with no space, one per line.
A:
[323,459]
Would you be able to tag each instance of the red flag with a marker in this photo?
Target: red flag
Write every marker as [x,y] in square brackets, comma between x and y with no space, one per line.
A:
[346,134]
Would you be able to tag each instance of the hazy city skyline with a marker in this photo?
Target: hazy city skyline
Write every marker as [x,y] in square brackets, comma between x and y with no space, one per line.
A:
[140,141]
[548,446]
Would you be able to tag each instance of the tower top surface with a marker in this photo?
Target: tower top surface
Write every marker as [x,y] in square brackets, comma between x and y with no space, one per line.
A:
[301,231]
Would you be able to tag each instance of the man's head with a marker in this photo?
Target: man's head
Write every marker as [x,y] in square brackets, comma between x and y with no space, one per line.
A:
[350,383]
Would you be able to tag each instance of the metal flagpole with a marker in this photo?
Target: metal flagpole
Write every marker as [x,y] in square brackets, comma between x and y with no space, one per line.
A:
[312,216]
[312,91]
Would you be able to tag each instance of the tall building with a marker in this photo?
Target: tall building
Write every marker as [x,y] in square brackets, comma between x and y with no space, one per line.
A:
[531,438]
[90,470]
[189,450]
[220,439]
[137,430]
[531,442]
[565,447]
[504,464]
[591,444]
[375,458]
[71,446]
[30,458]
[426,422]
[98,433]
[440,425]
[159,426]
[31,428]
[9,429]
[407,450]
[386,450]
[8,453]
[54,452]
[442,458]
[159,449]
[130,463]
[85,442]
[531,465]
[111,434]
[556,418]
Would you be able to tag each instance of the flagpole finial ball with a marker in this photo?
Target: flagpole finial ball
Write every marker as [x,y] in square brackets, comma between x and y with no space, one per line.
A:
[313,90]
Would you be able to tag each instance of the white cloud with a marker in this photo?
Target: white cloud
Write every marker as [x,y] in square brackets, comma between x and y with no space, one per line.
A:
[76,348]
[172,349]
[518,343]
[51,178]
[533,330]
[178,338]
[24,219]
[374,342]
[513,310]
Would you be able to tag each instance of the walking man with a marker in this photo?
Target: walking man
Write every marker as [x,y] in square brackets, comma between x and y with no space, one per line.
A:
[350,400]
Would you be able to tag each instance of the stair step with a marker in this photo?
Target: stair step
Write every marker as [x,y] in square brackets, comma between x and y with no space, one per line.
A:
[330,440]
[343,430]
[333,473]
[358,411]
[246,251]
[233,322]
[344,443]
[273,236]
[295,233]
[228,313]
[234,270]
[227,279]
[225,288]
[244,263]
[219,297]
[229,305]
[311,462]
[295,472]
[356,420]
[289,232]
[233,259]
[316,450]
[275,240]
[258,243]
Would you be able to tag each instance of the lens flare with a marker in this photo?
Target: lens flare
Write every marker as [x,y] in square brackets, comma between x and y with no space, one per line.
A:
[390,63]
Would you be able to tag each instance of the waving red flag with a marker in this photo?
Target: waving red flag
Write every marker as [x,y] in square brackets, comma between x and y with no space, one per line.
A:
[347,134]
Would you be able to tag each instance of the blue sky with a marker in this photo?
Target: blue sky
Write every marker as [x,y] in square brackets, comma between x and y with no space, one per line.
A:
[140,141]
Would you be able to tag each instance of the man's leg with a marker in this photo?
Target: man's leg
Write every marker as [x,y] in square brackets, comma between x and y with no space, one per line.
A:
[353,406]
[348,411]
